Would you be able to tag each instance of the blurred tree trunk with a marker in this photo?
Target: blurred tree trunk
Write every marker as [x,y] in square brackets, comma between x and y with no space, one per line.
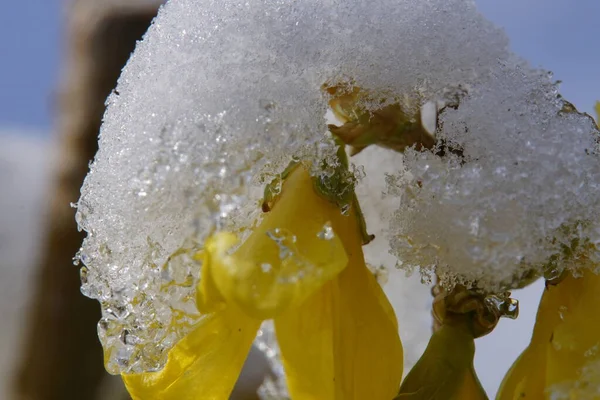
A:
[62,357]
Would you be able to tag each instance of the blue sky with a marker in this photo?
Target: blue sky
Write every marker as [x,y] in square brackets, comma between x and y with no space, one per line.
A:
[30,41]
[556,35]
[550,33]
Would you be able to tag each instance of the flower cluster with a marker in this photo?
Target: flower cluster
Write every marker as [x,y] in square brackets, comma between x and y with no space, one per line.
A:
[221,197]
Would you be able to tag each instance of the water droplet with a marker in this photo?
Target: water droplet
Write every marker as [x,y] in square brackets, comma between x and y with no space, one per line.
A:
[327,232]
[284,240]
[83,275]
[266,267]
[562,311]
[123,336]
[119,312]
[426,277]
[553,274]
[345,209]
[592,351]
[380,273]
[512,309]
[503,306]
[79,219]
[556,345]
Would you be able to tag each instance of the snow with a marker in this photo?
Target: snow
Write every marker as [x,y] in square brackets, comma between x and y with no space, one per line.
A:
[220,96]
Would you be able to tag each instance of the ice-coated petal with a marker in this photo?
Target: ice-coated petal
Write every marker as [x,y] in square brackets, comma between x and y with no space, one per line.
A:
[563,359]
[573,351]
[350,348]
[221,94]
[205,364]
[289,256]
[526,377]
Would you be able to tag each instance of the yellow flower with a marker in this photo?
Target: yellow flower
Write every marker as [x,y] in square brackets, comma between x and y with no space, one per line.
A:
[303,266]
[563,357]
[445,370]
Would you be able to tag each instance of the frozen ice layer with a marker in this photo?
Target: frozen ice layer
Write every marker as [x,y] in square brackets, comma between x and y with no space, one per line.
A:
[220,96]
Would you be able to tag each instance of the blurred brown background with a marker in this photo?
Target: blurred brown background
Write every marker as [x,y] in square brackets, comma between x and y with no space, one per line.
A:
[61,356]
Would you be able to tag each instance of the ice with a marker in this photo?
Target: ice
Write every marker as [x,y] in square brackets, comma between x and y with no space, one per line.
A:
[525,186]
[220,96]
[274,385]
[585,386]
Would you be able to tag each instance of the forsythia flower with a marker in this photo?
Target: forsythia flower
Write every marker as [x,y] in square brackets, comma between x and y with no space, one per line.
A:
[445,370]
[563,358]
[498,177]
[303,266]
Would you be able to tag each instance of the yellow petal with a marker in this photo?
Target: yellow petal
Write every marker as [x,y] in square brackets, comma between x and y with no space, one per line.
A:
[205,364]
[573,351]
[564,353]
[342,342]
[526,378]
[208,297]
[287,258]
